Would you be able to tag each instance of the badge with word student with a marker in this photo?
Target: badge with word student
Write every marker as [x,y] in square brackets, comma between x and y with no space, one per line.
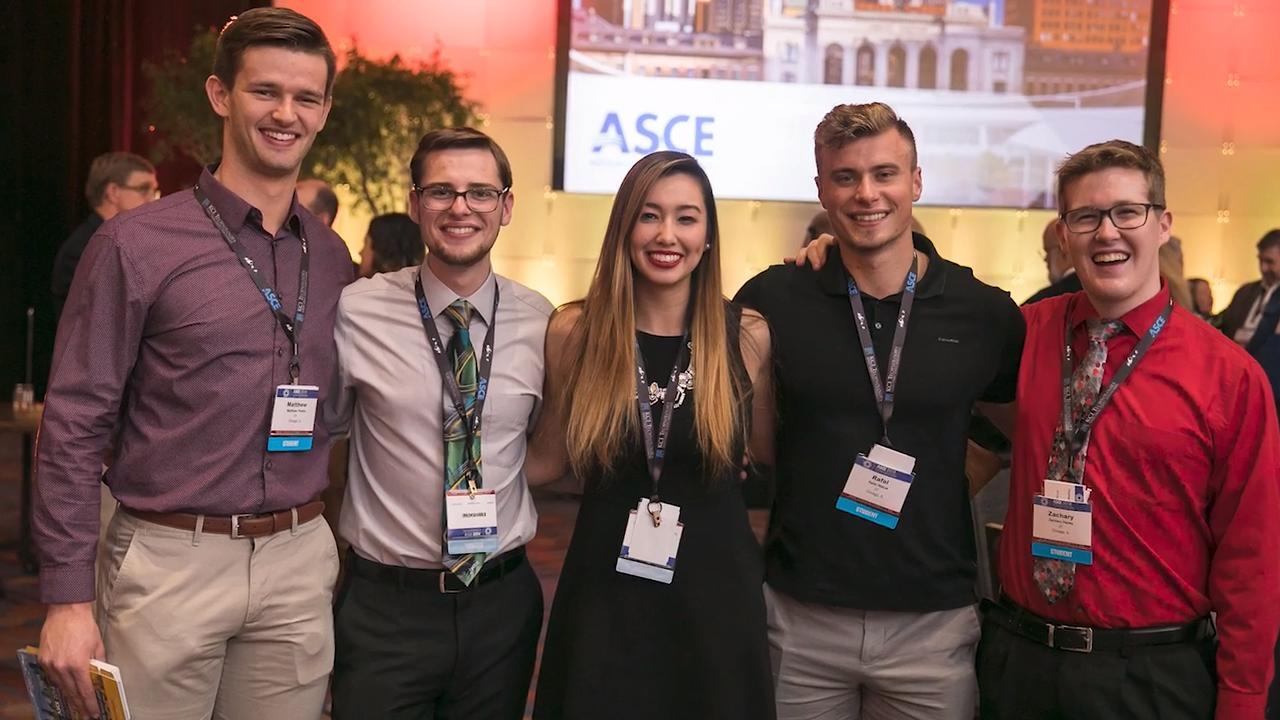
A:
[879,482]
[878,485]
[1062,523]
[652,540]
[293,418]
[471,521]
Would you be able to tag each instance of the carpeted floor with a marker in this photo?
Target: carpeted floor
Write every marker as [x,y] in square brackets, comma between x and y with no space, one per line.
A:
[21,614]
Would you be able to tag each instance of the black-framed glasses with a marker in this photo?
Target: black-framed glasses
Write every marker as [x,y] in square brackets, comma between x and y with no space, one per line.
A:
[1125,216]
[441,197]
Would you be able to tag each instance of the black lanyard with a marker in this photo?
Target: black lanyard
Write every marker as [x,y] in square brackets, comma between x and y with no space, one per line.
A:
[1077,434]
[292,326]
[655,451]
[885,392]
[484,364]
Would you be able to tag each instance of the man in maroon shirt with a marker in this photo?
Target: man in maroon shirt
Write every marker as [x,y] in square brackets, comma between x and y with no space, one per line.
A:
[202,325]
[1150,503]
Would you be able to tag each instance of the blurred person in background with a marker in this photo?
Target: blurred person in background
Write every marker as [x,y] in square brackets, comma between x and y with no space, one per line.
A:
[1240,319]
[118,181]
[1201,297]
[315,195]
[391,244]
[1062,277]
[1171,271]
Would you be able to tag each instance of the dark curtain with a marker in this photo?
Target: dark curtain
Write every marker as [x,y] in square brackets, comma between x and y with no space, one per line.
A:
[72,88]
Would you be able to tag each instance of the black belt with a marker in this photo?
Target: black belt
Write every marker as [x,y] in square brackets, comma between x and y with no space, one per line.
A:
[426,579]
[1077,638]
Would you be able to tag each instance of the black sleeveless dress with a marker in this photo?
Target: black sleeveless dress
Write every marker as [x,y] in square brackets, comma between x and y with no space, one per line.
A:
[620,646]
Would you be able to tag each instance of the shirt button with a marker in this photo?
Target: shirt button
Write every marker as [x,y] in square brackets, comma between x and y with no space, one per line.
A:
[878,326]
[279,352]
[269,464]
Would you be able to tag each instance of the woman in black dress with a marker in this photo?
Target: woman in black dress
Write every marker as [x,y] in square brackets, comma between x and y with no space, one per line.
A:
[655,387]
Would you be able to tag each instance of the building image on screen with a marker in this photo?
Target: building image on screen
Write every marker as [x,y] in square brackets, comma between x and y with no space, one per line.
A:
[997,91]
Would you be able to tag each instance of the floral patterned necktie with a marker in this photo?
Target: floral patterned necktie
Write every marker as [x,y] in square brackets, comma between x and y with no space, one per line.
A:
[1056,577]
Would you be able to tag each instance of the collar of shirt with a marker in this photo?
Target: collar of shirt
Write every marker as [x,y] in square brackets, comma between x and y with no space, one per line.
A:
[440,296]
[235,211]
[832,276]
[1138,320]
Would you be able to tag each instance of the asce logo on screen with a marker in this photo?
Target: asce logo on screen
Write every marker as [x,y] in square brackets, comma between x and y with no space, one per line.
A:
[650,132]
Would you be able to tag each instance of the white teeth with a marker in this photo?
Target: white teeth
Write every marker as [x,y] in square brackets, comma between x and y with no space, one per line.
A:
[874,217]
[459,230]
[665,257]
[1110,257]
[281,136]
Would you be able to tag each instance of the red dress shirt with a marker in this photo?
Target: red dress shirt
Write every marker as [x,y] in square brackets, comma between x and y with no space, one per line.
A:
[1184,464]
[166,337]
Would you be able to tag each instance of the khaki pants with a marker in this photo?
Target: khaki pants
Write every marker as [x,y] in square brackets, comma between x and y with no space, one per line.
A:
[833,663]
[206,626]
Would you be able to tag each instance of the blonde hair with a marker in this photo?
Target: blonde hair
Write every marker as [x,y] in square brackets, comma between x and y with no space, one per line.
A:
[1112,154]
[602,412]
[846,123]
[1171,270]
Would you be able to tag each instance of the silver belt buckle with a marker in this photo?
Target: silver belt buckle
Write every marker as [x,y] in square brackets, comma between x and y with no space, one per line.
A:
[1086,631]
[235,524]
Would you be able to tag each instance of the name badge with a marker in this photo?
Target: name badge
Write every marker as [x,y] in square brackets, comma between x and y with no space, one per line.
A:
[293,418]
[1062,529]
[471,521]
[650,552]
[877,486]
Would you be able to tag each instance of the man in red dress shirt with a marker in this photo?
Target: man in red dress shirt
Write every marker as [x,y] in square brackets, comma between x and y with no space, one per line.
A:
[1151,503]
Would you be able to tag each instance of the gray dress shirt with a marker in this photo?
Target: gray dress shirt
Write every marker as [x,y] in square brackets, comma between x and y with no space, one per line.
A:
[390,398]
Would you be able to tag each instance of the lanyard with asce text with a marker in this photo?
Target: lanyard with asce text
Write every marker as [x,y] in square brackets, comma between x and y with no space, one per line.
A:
[1077,434]
[484,364]
[292,326]
[885,392]
[655,450]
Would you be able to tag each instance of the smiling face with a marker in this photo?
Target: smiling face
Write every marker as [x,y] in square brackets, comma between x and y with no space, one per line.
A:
[1119,269]
[273,110]
[670,235]
[867,187]
[458,235]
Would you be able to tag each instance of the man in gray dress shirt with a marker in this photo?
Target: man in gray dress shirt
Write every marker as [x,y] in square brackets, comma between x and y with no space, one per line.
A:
[427,624]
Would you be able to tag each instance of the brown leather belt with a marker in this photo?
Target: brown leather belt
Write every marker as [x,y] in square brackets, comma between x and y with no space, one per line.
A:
[237,526]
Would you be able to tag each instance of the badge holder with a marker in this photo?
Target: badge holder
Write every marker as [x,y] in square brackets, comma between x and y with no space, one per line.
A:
[293,418]
[1062,523]
[651,542]
[471,521]
[877,486]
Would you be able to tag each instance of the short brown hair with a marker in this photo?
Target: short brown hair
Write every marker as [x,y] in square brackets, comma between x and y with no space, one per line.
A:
[270,27]
[1270,240]
[458,138]
[847,123]
[112,167]
[1112,154]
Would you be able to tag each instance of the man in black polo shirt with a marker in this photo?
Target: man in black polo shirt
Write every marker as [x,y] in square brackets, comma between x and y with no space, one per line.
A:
[870,556]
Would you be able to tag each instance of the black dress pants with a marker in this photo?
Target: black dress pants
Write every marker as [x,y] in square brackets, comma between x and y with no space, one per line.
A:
[413,653]
[1020,679]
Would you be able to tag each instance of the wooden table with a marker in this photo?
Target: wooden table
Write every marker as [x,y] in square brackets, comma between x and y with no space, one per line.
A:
[25,424]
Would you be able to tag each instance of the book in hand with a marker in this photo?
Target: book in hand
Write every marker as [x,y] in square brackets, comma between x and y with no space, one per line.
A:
[49,702]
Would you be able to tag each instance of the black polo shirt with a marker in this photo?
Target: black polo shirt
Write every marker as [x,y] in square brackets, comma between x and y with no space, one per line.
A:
[964,341]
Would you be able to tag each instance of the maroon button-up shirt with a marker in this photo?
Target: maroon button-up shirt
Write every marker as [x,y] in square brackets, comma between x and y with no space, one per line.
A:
[1184,464]
[166,338]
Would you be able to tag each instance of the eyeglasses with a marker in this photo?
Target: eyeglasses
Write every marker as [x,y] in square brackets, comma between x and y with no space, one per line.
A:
[1125,216]
[145,190]
[442,197]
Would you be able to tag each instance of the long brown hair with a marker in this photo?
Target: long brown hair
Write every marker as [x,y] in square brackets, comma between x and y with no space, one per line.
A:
[601,369]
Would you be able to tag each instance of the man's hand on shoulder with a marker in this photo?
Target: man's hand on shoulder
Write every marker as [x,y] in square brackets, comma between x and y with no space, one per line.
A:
[815,253]
[68,640]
